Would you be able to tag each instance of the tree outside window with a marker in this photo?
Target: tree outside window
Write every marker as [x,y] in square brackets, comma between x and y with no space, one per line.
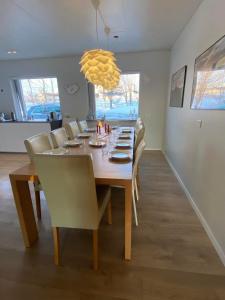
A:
[121,103]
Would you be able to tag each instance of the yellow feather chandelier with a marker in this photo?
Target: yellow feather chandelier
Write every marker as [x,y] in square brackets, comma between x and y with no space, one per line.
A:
[99,66]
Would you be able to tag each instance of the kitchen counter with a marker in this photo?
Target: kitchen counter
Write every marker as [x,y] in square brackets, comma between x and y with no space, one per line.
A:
[13,134]
[10,121]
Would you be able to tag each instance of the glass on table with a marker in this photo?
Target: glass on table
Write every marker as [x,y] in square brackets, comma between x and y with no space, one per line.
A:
[105,150]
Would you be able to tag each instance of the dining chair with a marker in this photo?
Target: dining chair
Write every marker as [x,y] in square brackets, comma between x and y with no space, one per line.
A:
[73,199]
[37,144]
[82,125]
[138,124]
[138,154]
[139,136]
[59,137]
[72,129]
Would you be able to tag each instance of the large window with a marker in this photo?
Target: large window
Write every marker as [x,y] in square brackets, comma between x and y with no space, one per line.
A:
[121,103]
[36,98]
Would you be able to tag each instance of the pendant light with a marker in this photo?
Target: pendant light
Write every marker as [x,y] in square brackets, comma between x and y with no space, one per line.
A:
[98,65]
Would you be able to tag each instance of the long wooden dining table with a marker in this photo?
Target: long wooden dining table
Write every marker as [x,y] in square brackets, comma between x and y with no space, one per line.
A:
[106,172]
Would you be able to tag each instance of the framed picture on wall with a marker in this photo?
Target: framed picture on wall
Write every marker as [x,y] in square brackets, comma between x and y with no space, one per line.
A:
[177,87]
[208,91]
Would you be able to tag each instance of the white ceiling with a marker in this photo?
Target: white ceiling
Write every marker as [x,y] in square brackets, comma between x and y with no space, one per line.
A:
[45,28]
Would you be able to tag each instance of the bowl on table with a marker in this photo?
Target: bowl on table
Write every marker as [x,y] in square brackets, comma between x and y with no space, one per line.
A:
[119,156]
[73,143]
[84,135]
[122,145]
[97,143]
[93,129]
[124,136]
[126,130]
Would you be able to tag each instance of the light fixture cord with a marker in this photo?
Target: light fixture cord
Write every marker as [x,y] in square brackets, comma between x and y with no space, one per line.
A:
[105,26]
[107,32]
[96,19]
[107,42]
[98,12]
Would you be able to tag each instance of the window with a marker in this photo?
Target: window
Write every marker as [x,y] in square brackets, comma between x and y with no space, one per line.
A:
[36,98]
[121,103]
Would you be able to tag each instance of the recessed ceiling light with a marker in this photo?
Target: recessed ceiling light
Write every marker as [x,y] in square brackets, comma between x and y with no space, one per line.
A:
[11,52]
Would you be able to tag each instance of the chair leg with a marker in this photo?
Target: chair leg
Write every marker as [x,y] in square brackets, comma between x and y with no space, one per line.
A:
[38,204]
[109,213]
[95,249]
[134,206]
[136,189]
[138,176]
[56,245]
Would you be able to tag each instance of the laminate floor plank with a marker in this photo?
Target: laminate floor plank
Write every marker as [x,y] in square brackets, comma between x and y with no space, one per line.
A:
[172,257]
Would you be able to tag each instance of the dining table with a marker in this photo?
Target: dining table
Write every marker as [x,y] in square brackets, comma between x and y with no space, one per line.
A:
[106,172]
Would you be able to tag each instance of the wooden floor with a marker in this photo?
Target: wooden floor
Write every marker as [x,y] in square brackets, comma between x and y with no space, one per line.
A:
[172,257]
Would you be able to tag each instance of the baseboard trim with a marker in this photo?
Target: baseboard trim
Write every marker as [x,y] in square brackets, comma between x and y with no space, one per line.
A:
[153,149]
[203,221]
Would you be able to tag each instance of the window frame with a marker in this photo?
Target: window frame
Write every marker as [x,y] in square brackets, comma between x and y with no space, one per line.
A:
[91,94]
[17,102]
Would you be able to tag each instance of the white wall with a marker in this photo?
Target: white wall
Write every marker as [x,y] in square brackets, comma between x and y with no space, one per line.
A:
[153,66]
[154,69]
[198,154]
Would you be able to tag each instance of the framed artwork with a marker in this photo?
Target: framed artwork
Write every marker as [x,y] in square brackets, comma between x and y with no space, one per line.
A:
[177,87]
[208,91]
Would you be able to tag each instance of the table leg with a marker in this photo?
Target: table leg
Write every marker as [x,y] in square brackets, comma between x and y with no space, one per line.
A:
[128,219]
[25,210]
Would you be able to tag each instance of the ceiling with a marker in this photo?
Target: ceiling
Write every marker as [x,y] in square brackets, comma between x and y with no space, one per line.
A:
[46,28]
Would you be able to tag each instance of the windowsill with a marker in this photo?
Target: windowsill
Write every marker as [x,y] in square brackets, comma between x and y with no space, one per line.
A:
[27,121]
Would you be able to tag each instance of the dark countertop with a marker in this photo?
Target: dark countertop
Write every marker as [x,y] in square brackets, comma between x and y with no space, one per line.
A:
[6,122]
[33,122]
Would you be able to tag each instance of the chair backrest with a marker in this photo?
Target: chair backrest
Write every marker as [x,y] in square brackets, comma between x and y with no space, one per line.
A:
[139,120]
[69,185]
[138,125]
[58,137]
[139,136]
[83,125]
[72,129]
[37,144]
[138,154]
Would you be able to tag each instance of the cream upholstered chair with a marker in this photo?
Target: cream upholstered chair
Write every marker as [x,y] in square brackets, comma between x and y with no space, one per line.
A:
[139,136]
[72,129]
[37,144]
[138,124]
[137,157]
[138,154]
[83,125]
[58,137]
[72,197]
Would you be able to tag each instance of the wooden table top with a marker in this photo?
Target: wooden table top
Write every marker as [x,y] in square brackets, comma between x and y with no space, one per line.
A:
[103,167]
